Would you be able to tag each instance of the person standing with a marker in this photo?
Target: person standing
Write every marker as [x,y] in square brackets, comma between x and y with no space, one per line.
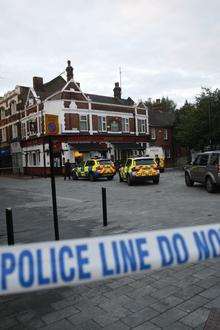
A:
[157,159]
[67,170]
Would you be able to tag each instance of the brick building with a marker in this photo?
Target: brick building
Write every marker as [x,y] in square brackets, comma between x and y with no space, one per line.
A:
[82,125]
[161,123]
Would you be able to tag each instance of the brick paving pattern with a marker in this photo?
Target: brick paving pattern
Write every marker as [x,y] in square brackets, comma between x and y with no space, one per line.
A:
[177,298]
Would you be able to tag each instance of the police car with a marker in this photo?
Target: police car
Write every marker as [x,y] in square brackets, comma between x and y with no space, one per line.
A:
[95,168]
[139,169]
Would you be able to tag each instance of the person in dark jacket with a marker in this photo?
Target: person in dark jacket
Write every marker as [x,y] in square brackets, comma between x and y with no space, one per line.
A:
[157,159]
[67,170]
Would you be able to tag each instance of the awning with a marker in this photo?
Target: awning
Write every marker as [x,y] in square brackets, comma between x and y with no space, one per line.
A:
[87,147]
[129,146]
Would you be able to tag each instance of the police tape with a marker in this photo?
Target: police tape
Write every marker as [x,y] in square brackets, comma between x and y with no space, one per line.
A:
[53,264]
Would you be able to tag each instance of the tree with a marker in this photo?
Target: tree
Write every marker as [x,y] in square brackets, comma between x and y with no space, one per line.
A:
[198,125]
[166,103]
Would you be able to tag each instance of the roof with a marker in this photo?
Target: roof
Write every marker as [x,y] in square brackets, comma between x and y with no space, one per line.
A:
[24,93]
[161,118]
[110,100]
[51,87]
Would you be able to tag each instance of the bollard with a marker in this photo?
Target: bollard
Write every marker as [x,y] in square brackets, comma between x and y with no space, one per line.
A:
[9,225]
[104,207]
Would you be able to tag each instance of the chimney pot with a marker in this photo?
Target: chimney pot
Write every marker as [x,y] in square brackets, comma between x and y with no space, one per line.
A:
[69,71]
[117,91]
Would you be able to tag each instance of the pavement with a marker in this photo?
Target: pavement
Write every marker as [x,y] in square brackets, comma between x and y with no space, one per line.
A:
[177,298]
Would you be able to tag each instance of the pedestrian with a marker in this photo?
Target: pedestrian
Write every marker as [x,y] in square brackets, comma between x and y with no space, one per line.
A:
[157,159]
[67,170]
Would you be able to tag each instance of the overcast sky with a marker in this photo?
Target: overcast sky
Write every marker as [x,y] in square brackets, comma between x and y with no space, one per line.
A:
[164,47]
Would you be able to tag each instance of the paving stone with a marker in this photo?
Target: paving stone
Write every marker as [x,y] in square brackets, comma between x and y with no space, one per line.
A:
[168,317]
[212,292]
[146,326]
[177,326]
[193,303]
[212,280]
[139,303]
[25,315]
[148,290]
[64,303]
[196,318]
[63,324]
[8,322]
[203,274]
[117,326]
[120,282]
[171,301]
[88,325]
[60,314]
[105,319]
[139,317]
[215,303]
[164,292]
[115,309]
[188,291]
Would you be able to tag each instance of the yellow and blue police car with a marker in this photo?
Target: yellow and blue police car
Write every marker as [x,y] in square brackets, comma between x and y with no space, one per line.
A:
[95,168]
[139,169]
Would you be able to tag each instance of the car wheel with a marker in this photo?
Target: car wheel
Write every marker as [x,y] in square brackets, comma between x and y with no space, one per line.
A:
[156,180]
[210,186]
[189,182]
[130,182]
[109,178]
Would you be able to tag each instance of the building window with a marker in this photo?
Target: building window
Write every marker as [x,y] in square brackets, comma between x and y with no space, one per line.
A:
[13,107]
[153,134]
[125,125]
[83,124]
[114,126]
[4,134]
[165,134]
[23,130]
[2,113]
[101,124]
[141,125]
[14,131]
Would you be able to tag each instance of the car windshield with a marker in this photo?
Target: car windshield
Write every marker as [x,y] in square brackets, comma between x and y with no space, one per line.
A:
[105,162]
[144,161]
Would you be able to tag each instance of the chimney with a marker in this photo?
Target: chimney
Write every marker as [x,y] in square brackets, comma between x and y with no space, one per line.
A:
[158,101]
[69,71]
[38,83]
[117,91]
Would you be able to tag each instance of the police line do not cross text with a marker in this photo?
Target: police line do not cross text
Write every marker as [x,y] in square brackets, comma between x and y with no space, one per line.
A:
[37,266]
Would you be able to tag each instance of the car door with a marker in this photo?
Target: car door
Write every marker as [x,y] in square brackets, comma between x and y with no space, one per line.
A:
[202,167]
[195,169]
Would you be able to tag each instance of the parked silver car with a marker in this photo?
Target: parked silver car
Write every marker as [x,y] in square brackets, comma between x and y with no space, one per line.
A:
[205,169]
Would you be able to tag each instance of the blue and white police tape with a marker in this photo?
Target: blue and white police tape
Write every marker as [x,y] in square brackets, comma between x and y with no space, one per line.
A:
[52,264]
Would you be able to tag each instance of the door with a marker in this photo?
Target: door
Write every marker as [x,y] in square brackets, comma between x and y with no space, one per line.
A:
[195,168]
[202,167]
